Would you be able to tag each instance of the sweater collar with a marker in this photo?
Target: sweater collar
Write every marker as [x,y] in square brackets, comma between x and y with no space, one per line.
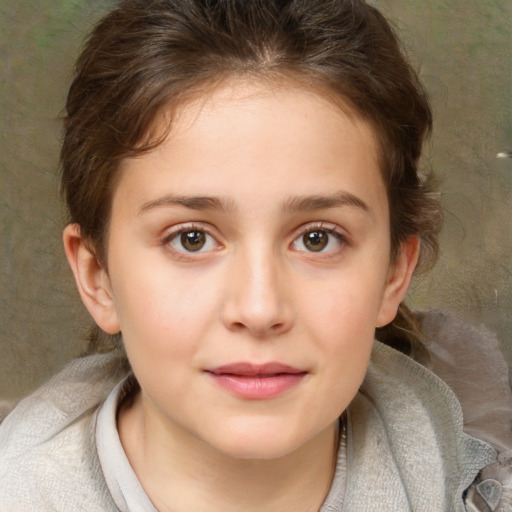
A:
[406,445]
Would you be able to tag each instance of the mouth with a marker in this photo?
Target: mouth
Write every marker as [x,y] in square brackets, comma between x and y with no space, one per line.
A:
[257,382]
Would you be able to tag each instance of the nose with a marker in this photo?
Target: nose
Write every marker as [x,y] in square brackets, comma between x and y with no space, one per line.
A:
[256,299]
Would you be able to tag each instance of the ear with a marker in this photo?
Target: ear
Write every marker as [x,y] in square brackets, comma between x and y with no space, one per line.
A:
[91,280]
[399,278]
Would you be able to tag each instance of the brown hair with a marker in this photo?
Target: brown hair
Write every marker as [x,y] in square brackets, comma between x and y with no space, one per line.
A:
[147,54]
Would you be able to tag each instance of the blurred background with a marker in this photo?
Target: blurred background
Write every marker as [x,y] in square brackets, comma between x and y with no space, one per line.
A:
[463,51]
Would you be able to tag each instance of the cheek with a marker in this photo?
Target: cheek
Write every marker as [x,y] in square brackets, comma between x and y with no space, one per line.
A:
[345,306]
[164,312]
[341,320]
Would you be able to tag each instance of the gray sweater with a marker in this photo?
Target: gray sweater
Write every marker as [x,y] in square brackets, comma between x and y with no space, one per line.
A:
[405,450]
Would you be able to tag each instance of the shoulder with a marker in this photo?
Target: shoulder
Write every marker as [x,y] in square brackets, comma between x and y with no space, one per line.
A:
[452,416]
[406,429]
[48,458]
[469,359]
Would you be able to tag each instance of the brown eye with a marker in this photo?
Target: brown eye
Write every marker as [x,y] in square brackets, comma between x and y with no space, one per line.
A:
[193,241]
[315,241]
[327,241]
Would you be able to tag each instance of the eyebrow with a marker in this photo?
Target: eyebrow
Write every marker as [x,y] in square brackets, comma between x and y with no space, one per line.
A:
[192,202]
[291,205]
[321,202]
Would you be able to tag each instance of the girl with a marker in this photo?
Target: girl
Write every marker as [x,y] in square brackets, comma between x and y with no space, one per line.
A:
[245,210]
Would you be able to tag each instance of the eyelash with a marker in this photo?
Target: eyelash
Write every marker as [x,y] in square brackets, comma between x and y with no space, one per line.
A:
[330,230]
[175,234]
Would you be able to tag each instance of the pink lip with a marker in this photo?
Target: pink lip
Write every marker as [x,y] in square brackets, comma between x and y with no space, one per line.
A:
[257,382]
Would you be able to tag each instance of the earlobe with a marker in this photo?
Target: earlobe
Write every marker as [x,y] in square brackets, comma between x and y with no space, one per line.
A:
[399,278]
[91,279]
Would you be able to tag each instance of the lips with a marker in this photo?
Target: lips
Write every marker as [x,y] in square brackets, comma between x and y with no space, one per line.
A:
[257,382]
[248,369]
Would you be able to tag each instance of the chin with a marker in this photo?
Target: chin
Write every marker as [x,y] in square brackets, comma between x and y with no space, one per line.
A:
[258,442]
[257,450]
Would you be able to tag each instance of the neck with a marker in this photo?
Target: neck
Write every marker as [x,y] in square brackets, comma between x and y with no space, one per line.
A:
[180,472]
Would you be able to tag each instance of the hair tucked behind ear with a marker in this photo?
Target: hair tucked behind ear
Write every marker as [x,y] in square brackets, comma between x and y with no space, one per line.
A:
[149,55]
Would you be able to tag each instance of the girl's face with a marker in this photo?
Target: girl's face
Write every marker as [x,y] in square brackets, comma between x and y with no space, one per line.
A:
[249,264]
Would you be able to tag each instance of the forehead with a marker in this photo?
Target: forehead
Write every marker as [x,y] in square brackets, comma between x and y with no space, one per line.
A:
[261,137]
[236,96]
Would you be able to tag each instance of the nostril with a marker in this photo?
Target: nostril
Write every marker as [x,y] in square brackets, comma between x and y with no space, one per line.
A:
[258,330]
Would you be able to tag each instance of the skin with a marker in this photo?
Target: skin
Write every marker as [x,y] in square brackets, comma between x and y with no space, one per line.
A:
[275,164]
